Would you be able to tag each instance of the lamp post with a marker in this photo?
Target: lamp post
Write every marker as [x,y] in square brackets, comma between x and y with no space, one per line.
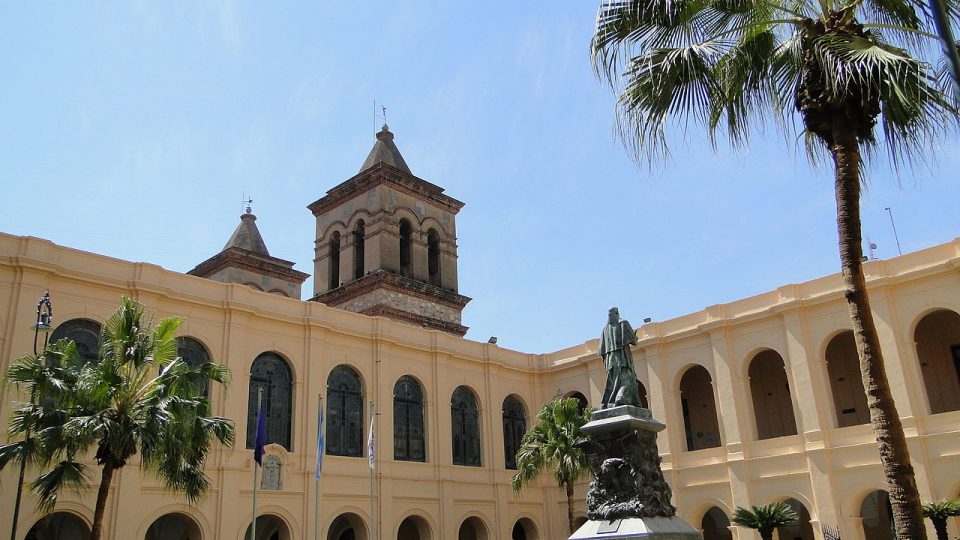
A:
[43,325]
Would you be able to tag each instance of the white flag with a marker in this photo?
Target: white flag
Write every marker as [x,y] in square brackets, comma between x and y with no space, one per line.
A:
[371,451]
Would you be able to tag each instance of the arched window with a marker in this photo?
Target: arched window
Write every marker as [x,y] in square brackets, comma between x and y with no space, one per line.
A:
[271,373]
[406,261]
[59,525]
[843,368]
[466,427]
[772,406]
[433,257]
[514,427]
[581,400]
[938,348]
[194,354]
[85,333]
[335,260]
[358,238]
[877,517]
[802,529]
[173,526]
[472,528]
[344,413]
[699,409]
[408,444]
[715,525]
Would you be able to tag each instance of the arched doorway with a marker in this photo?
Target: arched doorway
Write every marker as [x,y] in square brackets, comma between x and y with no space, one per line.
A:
[524,529]
[348,526]
[876,516]
[413,528]
[270,527]
[699,410]
[715,525]
[843,369]
[59,526]
[801,530]
[175,526]
[581,399]
[472,528]
[938,349]
[772,406]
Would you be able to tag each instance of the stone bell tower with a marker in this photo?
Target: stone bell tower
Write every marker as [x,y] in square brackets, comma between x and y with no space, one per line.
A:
[387,244]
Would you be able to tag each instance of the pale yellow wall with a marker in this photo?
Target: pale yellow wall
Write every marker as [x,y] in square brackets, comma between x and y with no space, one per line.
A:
[828,469]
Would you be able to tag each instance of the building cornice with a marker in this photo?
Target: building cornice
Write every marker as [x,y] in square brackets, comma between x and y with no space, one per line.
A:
[248,260]
[394,282]
[383,174]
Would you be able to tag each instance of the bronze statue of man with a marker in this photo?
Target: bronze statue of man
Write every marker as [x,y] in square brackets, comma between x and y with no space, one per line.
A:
[615,342]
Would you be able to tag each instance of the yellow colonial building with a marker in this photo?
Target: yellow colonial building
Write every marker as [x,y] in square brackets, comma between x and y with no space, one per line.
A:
[762,396]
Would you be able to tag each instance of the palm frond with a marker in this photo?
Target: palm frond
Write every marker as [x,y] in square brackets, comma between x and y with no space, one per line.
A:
[64,475]
[667,83]
[765,517]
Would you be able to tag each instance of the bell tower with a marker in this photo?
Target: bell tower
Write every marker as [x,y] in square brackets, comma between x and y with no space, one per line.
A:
[387,244]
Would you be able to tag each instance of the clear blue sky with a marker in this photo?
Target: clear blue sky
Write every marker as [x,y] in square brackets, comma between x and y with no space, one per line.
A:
[133,129]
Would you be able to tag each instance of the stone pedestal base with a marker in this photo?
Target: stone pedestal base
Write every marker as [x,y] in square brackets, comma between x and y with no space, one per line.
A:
[651,528]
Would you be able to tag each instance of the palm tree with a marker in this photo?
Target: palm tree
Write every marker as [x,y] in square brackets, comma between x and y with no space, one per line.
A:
[138,397]
[555,442]
[765,518]
[938,512]
[836,67]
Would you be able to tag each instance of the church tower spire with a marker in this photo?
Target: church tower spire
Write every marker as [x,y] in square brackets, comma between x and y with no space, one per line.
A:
[387,244]
[245,259]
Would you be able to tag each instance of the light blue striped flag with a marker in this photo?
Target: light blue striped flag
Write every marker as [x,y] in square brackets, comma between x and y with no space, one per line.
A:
[371,445]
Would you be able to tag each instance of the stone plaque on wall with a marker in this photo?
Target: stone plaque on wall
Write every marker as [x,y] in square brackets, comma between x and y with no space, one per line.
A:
[272,479]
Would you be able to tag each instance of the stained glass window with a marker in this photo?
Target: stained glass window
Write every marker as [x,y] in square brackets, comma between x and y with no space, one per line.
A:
[271,373]
[408,444]
[344,413]
[514,426]
[83,332]
[466,427]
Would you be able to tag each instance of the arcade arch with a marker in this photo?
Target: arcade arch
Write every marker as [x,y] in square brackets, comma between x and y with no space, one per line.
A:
[699,409]
[937,339]
[770,390]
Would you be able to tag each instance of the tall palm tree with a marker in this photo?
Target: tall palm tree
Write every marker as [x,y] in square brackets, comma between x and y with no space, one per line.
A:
[938,512]
[138,397]
[555,443]
[765,518]
[835,67]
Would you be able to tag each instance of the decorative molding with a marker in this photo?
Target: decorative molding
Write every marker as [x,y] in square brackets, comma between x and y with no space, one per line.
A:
[383,174]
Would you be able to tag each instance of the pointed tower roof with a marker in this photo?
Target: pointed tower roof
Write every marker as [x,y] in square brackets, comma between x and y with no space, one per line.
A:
[245,259]
[247,236]
[384,151]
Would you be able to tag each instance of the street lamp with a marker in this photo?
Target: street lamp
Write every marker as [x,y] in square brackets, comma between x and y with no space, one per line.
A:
[43,325]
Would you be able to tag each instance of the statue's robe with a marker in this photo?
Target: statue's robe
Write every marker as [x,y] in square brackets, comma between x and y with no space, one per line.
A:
[621,387]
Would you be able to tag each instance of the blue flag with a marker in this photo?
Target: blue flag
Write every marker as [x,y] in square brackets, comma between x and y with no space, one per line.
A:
[261,438]
[319,444]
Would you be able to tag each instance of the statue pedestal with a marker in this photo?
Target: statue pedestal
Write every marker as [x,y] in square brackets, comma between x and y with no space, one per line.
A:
[628,497]
[659,528]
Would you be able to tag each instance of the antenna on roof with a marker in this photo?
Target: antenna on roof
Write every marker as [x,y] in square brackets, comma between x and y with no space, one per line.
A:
[246,203]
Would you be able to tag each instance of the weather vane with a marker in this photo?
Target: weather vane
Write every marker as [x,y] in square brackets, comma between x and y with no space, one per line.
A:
[247,201]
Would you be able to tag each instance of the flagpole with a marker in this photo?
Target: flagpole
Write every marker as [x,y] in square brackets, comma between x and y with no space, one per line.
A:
[253,524]
[372,457]
[316,477]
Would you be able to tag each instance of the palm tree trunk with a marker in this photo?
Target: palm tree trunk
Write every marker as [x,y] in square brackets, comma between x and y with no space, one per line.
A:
[569,486]
[894,454]
[766,534]
[102,493]
[940,525]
